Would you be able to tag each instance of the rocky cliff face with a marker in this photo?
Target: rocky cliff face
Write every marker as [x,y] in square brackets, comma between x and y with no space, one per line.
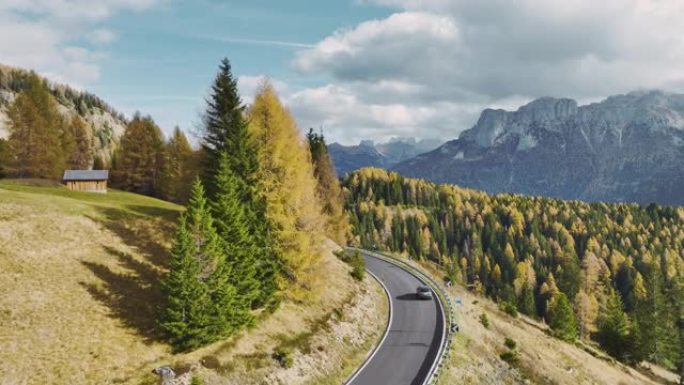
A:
[383,155]
[625,148]
[107,125]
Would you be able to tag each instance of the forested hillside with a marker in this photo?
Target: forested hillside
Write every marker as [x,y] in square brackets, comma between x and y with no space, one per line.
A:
[102,125]
[50,128]
[241,286]
[613,273]
[256,221]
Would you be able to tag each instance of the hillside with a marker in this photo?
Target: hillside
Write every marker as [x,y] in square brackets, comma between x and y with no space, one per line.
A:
[385,155]
[475,354]
[610,275]
[107,125]
[541,359]
[80,291]
[627,148]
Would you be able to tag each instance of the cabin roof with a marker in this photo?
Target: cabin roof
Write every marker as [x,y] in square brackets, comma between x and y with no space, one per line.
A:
[86,175]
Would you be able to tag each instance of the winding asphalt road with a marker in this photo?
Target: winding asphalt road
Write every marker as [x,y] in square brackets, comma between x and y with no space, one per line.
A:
[410,347]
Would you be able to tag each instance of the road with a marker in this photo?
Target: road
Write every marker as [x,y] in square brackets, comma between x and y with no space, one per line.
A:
[410,347]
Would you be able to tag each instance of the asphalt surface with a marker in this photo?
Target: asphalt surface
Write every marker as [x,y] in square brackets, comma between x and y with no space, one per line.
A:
[405,356]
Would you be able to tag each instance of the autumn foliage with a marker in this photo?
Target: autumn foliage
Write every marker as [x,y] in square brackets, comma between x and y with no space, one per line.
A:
[591,270]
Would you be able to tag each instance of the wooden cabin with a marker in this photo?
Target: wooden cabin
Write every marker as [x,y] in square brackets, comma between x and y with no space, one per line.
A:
[86,180]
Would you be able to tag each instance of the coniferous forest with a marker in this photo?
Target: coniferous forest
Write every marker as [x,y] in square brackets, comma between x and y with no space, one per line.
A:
[44,141]
[256,218]
[609,273]
[261,198]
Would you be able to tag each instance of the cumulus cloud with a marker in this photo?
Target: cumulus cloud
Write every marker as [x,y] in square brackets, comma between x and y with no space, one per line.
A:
[435,58]
[403,42]
[61,39]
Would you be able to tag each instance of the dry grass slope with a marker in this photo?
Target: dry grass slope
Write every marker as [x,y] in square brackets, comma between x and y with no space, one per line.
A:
[79,284]
[79,288]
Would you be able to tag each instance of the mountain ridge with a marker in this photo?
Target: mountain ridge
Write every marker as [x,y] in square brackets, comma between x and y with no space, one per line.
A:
[625,148]
[370,154]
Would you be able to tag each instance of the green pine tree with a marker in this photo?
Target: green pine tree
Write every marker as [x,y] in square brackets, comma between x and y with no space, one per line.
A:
[226,130]
[613,328]
[562,319]
[184,318]
[526,303]
[199,297]
[241,247]
[659,335]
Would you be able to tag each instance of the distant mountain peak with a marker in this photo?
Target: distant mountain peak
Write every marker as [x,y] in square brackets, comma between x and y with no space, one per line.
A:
[384,155]
[627,147]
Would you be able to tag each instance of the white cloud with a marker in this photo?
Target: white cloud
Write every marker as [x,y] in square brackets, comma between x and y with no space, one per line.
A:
[79,10]
[346,113]
[61,39]
[435,58]
[351,53]
[102,36]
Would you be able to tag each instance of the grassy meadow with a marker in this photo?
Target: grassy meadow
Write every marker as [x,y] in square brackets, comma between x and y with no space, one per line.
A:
[79,291]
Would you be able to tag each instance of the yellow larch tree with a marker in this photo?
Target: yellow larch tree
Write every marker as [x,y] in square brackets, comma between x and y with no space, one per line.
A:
[289,187]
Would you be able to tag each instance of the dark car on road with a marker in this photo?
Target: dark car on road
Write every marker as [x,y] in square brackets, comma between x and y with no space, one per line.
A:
[423,292]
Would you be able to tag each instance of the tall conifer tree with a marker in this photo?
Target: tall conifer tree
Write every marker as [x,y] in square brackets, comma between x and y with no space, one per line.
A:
[140,160]
[82,154]
[288,185]
[38,144]
[200,300]
[180,168]
[562,319]
[226,132]
[243,252]
[329,189]
[613,330]
[659,336]
[185,318]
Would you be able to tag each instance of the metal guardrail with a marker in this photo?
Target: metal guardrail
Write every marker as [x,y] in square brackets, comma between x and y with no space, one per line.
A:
[445,303]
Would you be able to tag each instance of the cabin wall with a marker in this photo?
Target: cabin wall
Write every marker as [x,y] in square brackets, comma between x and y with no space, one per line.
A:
[87,185]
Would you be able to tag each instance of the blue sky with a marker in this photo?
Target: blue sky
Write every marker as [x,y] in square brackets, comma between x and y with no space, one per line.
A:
[358,69]
[164,59]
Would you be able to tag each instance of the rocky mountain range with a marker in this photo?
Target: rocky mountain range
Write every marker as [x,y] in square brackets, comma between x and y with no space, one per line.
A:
[107,124]
[625,148]
[384,155]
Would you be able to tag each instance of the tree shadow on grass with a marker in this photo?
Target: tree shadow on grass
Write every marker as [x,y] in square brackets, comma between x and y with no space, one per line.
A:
[133,296]
[155,212]
[142,232]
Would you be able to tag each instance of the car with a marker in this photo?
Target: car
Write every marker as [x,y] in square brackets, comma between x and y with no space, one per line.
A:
[423,292]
